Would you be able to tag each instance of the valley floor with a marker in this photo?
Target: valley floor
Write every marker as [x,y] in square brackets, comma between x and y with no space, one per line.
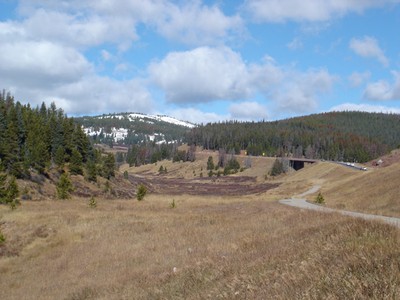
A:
[204,248]
[235,241]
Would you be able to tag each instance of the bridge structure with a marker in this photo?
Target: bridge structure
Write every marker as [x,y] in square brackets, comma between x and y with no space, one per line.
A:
[298,163]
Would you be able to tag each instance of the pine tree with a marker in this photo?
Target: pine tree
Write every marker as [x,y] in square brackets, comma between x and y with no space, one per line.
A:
[12,193]
[277,168]
[3,188]
[91,171]
[64,187]
[75,165]
[109,166]
[59,157]
[210,163]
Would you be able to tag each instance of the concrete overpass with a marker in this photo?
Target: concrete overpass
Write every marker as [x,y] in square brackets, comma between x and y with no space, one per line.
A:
[298,163]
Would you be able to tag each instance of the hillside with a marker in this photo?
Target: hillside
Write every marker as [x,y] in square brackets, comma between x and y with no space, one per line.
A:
[134,128]
[341,136]
[223,243]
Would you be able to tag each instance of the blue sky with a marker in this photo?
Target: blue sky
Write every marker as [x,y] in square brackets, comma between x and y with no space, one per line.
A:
[203,61]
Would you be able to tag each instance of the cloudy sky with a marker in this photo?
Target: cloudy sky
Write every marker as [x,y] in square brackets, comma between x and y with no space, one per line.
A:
[203,61]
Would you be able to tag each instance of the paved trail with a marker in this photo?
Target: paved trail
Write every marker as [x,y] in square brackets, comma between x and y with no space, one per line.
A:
[298,201]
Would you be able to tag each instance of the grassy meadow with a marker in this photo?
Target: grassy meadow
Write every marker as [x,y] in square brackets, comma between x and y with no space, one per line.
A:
[222,247]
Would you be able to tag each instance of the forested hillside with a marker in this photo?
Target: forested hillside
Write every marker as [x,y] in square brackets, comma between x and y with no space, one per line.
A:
[43,138]
[348,136]
[134,128]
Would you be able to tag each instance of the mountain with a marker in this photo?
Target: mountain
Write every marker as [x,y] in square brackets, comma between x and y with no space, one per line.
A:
[134,128]
[348,136]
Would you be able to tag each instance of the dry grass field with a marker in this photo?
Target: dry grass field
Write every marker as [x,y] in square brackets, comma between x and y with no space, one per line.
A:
[203,249]
[244,246]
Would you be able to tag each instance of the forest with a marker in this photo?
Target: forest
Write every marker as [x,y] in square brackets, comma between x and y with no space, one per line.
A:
[42,140]
[340,136]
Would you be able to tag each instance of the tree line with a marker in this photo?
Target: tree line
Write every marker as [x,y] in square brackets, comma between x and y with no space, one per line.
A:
[44,138]
[346,136]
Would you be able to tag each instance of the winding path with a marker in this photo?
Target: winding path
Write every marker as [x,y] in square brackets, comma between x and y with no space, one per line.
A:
[298,201]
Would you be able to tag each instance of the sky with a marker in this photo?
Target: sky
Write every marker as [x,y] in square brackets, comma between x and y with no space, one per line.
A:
[203,61]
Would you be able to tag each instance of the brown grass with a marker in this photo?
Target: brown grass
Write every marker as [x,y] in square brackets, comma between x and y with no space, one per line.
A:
[205,248]
[209,246]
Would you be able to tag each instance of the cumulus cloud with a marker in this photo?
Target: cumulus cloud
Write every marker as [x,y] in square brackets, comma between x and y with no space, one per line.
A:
[197,24]
[366,108]
[369,47]
[201,75]
[79,29]
[300,91]
[357,79]
[248,111]
[206,74]
[311,10]
[95,22]
[93,94]
[102,94]
[41,64]
[383,90]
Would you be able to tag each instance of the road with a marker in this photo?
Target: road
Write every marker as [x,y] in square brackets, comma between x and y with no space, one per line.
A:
[298,201]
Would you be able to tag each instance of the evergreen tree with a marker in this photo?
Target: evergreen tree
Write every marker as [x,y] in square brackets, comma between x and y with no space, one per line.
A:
[64,187]
[12,192]
[8,190]
[3,188]
[76,165]
[277,168]
[91,171]
[210,163]
[59,157]
[109,166]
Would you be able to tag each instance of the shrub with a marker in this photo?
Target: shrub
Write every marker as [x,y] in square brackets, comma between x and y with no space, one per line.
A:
[172,204]
[141,192]
[2,238]
[232,166]
[107,187]
[14,204]
[126,175]
[320,199]
[92,202]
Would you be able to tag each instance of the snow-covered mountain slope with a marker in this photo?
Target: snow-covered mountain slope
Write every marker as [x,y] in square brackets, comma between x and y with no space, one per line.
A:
[134,128]
[146,118]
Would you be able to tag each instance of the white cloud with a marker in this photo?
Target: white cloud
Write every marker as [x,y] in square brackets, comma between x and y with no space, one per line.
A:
[201,75]
[368,47]
[207,74]
[91,22]
[383,90]
[197,24]
[43,64]
[80,30]
[197,116]
[245,111]
[310,10]
[357,79]
[93,94]
[366,108]
[300,92]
